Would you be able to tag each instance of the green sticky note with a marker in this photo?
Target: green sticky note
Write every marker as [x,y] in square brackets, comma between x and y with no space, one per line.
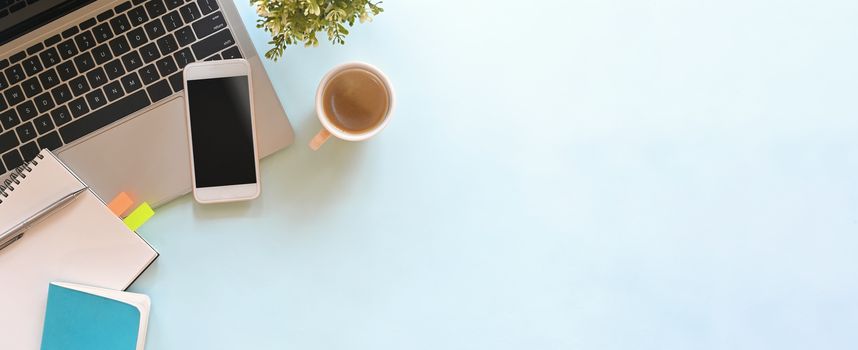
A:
[139,216]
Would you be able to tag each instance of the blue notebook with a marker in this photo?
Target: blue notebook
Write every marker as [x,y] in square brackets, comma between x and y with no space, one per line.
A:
[83,317]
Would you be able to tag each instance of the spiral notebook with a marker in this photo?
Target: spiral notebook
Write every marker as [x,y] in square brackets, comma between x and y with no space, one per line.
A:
[82,242]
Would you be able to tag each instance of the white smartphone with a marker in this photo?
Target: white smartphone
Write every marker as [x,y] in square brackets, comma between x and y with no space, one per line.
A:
[221,131]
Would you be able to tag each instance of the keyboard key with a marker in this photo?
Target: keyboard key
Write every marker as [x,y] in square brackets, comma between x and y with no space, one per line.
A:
[113,91]
[50,141]
[66,70]
[104,15]
[155,8]
[167,45]
[49,79]
[30,151]
[79,86]
[18,56]
[102,32]
[216,57]
[172,4]
[18,6]
[96,99]
[119,46]
[44,102]
[213,44]
[183,57]
[98,119]
[8,141]
[87,24]
[190,12]
[68,33]
[149,52]
[61,115]
[131,82]
[35,48]
[137,2]
[13,159]
[172,20]
[4,63]
[61,94]
[176,82]
[27,111]
[32,65]
[120,24]
[185,36]
[166,66]
[9,119]
[114,69]
[31,86]
[26,132]
[78,107]
[209,24]
[122,7]
[50,57]
[138,16]
[231,53]
[149,74]
[159,90]
[96,78]
[15,74]
[44,124]
[14,95]
[53,40]
[67,49]
[84,41]
[132,61]
[3,83]
[3,104]
[84,62]
[102,54]
[154,28]
[137,37]
[207,6]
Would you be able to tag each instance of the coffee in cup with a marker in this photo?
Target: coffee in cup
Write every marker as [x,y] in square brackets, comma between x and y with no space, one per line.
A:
[354,101]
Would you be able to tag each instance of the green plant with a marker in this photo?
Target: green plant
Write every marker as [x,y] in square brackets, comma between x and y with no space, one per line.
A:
[297,21]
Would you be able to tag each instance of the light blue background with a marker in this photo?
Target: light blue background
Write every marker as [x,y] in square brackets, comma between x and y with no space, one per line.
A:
[583,174]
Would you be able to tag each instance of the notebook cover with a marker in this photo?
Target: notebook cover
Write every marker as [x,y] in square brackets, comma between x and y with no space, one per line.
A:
[79,320]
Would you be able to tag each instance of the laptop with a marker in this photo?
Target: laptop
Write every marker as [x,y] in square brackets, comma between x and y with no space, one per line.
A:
[99,82]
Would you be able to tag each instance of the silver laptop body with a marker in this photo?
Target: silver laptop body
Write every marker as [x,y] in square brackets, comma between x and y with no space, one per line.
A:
[146,153]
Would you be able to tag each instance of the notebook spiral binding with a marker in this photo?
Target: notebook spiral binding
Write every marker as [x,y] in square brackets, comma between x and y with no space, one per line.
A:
[17,175]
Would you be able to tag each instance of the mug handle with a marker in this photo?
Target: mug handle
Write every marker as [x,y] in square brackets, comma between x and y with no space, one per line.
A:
[320,139]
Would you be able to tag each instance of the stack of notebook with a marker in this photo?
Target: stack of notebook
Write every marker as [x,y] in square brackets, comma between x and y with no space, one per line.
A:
[82,242]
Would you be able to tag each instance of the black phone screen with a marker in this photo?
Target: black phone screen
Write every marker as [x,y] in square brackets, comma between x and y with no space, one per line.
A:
[221,131]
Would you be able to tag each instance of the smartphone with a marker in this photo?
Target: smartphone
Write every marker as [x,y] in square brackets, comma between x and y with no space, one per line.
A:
[221,131]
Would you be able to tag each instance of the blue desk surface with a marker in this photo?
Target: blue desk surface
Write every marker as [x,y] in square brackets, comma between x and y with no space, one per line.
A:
[558,175]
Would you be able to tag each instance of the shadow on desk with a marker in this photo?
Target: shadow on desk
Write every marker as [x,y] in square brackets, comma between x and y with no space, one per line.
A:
[303,182]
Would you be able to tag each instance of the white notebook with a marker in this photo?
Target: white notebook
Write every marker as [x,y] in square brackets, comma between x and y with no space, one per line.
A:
[82,242]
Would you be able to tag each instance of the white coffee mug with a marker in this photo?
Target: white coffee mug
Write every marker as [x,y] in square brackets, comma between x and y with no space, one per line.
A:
[328,127]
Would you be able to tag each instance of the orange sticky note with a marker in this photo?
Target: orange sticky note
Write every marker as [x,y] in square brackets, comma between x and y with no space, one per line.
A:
[120,203]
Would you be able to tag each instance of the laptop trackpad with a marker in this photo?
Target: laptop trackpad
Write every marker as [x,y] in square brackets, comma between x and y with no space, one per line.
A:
[146,156]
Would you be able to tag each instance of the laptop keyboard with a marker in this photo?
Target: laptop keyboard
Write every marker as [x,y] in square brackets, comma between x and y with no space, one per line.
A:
[106,68]
[10,6]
